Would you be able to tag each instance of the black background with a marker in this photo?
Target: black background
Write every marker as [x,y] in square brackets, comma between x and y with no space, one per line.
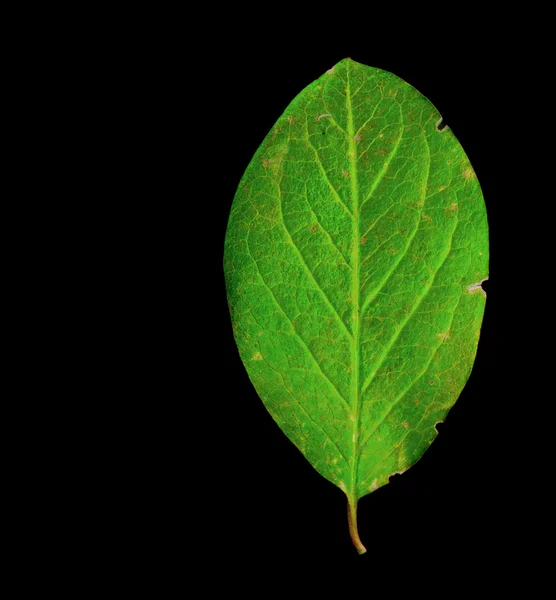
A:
[233,489]
[165,460]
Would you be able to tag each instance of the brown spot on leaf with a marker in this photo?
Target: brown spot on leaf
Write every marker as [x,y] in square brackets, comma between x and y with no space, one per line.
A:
[363,240]
[257,356]
[468,172]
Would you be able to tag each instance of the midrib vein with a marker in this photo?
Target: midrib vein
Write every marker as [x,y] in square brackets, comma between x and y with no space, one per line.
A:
[355,286]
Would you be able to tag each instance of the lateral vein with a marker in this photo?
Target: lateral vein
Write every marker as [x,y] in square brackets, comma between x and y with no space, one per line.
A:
[307,270]
[412,312]
[325,175]
[292,326]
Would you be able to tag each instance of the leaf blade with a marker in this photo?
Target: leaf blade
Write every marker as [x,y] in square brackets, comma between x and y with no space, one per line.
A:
[354,236]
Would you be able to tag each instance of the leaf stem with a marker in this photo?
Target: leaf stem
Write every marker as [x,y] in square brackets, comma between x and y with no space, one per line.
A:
[352,522]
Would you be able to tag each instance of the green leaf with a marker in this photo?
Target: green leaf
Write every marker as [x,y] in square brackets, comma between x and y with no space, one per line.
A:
[355,249]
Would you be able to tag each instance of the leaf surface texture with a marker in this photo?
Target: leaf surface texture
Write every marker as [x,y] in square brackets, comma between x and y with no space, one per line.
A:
[355,242]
